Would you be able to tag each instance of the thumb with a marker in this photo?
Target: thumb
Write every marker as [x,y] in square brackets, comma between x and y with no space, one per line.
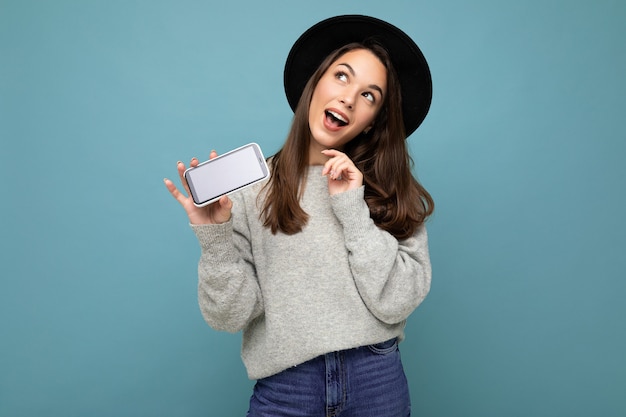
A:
[226,203]
[225,206]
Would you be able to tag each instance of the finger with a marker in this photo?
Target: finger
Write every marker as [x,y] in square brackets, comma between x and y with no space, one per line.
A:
[226,203]
[178,196]
[330,153]
[344,167]
[180,167]
[213,154]
[337,166]
[335,157]
[181,174]
[330,167]
[223,213]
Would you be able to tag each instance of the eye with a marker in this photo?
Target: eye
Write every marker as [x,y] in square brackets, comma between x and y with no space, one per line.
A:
[369,96]
[341,76]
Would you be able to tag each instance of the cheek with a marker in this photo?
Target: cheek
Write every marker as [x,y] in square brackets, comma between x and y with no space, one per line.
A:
[316,99]
[368,117]
[326,88]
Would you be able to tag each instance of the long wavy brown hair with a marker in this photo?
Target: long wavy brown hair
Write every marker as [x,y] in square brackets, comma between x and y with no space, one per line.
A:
[398,203]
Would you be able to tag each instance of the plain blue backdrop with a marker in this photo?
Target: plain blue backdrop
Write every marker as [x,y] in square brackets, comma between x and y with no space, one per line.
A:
[523,152]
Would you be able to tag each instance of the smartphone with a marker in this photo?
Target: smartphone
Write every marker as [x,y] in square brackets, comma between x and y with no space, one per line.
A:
[225,174]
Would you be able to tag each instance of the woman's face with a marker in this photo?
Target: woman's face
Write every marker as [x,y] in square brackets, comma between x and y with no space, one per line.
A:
[346,100]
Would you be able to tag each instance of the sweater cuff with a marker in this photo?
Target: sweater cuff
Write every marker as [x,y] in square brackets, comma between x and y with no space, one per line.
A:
[210,235]
[351,210]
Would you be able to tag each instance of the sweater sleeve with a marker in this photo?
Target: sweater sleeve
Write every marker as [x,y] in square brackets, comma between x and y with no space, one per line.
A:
[393,277]
[228,292]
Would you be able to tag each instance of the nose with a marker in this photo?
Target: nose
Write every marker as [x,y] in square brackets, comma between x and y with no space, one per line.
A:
[347,100]
[348,97]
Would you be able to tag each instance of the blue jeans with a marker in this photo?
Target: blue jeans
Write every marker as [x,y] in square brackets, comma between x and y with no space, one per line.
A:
[364,382]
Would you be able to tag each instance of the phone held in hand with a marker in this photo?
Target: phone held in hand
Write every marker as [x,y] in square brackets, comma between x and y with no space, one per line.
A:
[225,174]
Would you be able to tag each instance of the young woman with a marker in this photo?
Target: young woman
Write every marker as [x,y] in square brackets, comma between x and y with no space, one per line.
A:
[321,265]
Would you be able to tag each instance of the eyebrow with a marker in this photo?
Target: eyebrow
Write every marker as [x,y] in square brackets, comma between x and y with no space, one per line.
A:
[372,86]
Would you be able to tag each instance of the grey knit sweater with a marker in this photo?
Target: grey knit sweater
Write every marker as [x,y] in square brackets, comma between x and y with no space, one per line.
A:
[340,283]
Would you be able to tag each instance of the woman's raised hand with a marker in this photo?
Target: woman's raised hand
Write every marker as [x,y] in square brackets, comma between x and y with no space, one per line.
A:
[342,174]
[215,213]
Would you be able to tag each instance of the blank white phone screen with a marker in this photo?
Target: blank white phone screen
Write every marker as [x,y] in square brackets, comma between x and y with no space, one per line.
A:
[226,174]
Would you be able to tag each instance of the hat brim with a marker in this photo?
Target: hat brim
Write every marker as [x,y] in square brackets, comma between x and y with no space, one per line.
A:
[323,38]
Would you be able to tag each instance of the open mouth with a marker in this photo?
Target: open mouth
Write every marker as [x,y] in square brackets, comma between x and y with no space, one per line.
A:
[335,118]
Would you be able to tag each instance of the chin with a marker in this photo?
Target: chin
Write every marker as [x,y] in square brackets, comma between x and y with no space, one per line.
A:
[327,140]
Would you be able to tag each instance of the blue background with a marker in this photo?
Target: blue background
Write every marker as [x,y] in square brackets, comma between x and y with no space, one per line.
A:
[523,152]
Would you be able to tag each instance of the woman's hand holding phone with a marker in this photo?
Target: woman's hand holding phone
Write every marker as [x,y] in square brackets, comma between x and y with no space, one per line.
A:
[214,213]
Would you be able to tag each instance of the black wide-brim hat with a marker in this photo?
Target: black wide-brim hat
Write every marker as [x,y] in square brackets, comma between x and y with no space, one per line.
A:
[323,38]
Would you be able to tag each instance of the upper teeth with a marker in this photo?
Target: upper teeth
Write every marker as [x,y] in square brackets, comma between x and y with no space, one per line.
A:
[337,116]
